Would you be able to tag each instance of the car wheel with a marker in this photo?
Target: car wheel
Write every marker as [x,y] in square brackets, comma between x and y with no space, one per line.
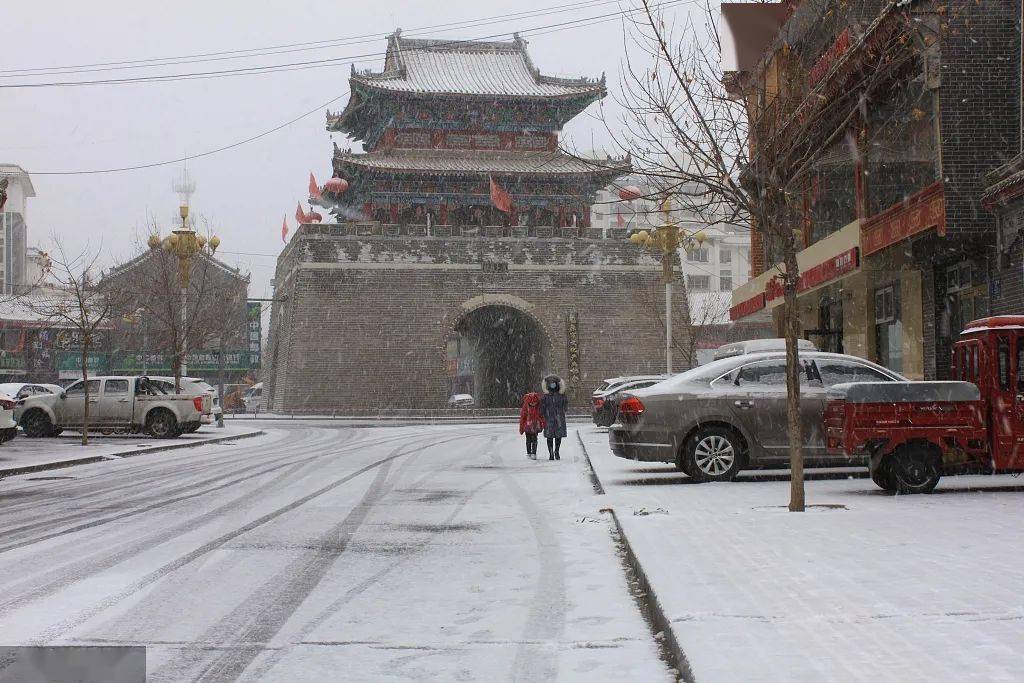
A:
[161,424]
[36,424]
[914,469]
[713,454]
[8,434]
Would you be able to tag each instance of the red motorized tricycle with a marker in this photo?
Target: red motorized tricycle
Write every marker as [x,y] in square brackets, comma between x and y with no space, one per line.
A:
[914,432]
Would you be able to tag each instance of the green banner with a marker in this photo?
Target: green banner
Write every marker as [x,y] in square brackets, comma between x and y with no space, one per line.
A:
[199,362]
[71,361]
[11,361]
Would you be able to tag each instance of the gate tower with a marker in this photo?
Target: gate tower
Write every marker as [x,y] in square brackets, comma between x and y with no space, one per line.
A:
[424,288]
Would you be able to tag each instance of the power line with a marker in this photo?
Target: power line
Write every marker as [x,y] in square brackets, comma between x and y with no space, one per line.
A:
[289,47]
[137,167]
[332,61]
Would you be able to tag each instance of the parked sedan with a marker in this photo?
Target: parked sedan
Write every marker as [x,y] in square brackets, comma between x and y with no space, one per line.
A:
[605,403]
[730,414]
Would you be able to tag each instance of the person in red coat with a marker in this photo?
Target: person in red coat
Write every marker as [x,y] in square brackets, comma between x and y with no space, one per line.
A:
[531,422]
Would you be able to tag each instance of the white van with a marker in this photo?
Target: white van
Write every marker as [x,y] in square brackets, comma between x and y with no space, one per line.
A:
[253,397]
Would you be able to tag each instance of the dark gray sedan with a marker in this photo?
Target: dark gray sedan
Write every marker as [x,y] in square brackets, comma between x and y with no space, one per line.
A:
[728,415]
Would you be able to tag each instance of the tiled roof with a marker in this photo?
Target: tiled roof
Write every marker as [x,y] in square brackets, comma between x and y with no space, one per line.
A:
[459,67]
[474,161]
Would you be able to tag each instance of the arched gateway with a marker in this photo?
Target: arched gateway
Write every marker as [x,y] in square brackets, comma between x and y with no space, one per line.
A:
[462,220]
[497,351]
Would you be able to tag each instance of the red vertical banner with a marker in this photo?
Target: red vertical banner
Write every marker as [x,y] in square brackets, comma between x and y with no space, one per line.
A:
[284,229]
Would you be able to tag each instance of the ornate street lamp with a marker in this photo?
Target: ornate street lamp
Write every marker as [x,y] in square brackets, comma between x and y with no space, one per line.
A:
[666,239]
[185,244]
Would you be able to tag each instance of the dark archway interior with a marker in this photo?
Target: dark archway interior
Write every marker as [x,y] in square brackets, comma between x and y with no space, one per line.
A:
[509,354]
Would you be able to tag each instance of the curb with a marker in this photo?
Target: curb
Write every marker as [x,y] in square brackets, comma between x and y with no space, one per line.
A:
[661,626]
[595,481]
[61,464]
[660,623]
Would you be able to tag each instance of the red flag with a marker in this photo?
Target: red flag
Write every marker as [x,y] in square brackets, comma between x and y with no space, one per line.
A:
[300,215]
[314,217]
[502,200]
[284,229]
[314,189]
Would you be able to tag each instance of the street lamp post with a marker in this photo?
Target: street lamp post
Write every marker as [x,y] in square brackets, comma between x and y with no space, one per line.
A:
[667,239]
[184,243]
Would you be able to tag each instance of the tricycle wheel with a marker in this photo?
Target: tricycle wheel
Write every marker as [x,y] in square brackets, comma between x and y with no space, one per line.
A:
[883,479]
[914,469]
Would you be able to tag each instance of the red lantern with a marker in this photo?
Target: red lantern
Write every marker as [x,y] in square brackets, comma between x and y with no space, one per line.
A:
[630,192]
[336,185]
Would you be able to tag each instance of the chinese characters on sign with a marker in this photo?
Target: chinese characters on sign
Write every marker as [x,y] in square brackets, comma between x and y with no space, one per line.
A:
[572,323]
[920,212]
[835,267]
[254,318]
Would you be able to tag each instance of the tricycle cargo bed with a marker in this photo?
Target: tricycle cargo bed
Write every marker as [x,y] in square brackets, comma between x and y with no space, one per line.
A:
[904,392]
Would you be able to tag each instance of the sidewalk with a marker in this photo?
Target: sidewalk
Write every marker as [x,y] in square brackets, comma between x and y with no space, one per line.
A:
[878,588]
[23,455]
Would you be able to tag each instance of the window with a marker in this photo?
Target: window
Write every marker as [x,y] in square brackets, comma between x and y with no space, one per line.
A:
[698,283]
[116,386]
[1020,365]
[768,373]
[699,255]
[889,328]
[725,280]
[1004,363]
[836,372]
[79,387]
[724,256]
[976,362]
[958,278]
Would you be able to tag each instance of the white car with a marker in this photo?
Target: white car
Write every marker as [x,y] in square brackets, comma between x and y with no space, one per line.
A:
[461,401]
[8,425]
[253,397]
[188,385]
[22,390]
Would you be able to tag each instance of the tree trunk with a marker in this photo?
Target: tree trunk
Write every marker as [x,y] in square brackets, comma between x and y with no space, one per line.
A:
[794,424]
[85,381]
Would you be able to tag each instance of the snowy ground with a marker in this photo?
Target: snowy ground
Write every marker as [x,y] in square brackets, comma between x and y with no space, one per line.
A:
[883,588]
[320,552]
[24,452]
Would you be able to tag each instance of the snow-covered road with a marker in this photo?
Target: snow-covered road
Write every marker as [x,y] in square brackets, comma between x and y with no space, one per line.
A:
[320,552]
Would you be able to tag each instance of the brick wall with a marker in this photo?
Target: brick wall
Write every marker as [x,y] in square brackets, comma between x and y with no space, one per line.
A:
[366,319]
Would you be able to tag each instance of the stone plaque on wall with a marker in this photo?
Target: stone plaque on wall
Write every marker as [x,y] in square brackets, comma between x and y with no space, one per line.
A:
[572,340]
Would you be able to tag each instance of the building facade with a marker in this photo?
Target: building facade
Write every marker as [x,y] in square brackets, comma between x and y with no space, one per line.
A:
[146,291]
[463,258]
[897,245]
[14,228]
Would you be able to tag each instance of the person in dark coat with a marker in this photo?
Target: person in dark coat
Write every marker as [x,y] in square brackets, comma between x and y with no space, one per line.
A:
[530,422]
[552,409]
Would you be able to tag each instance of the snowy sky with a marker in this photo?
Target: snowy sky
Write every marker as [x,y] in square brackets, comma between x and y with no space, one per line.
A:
[245,191]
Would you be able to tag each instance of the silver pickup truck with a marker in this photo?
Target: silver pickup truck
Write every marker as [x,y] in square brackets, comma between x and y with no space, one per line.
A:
[116,403]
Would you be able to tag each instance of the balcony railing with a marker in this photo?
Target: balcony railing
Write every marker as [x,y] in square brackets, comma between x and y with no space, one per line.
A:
[374,229]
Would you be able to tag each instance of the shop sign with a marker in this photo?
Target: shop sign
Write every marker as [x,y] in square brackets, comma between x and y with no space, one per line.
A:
[198,362]
[748,307]
[71,361]
[254,319]
[834,268]
[572,324]
[11,361]
[921,212]
[829,58]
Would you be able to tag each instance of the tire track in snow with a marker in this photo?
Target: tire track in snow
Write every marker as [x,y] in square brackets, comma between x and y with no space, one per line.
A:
[538,661]
[82,617]
[262,617]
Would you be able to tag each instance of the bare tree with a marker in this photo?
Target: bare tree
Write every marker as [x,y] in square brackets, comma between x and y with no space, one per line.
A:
[75,302]
[738,148]
[152,286]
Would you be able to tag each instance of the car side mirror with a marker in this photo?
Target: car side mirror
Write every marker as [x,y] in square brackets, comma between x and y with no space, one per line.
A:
[63,395]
